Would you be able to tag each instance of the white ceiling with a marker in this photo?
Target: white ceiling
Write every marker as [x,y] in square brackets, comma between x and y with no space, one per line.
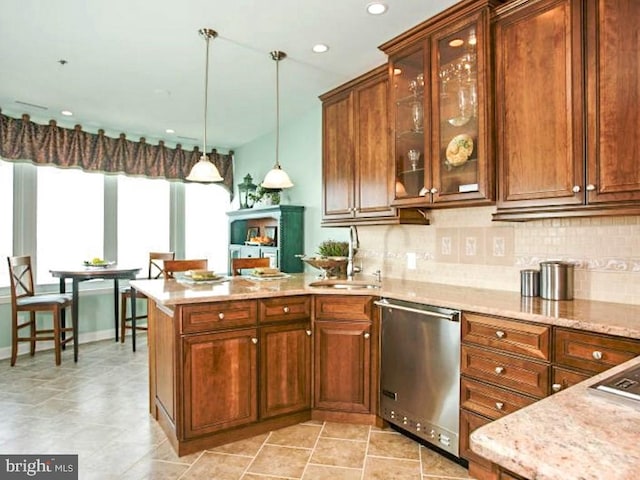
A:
[137,66]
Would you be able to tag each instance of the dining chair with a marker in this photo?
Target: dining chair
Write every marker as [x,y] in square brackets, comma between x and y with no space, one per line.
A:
[24,299]
[239,264]
[173,266]
[155,271]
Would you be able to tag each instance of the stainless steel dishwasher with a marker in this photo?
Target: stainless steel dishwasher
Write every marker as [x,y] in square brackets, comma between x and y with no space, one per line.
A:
[420,371]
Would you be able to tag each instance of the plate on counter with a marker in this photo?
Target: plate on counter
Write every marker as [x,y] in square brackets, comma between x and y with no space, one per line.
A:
[268,276]
[187,280]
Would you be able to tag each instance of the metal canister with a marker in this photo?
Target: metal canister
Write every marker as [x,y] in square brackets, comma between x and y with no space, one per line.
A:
[529,283]
[556,280]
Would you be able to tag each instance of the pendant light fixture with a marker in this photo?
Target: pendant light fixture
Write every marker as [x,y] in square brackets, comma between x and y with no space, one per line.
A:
[204,171]
[277,178]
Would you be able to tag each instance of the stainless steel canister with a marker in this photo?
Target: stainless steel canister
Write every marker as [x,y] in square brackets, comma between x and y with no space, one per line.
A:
[556,280]
[529,283]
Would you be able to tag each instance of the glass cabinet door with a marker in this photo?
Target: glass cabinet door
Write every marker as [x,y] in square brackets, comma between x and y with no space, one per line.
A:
[408,77]
[456,114]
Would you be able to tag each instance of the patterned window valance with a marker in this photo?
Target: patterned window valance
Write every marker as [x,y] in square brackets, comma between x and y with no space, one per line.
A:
[22,139]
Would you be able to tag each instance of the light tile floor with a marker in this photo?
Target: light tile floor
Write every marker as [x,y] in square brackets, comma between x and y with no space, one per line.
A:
[97,409]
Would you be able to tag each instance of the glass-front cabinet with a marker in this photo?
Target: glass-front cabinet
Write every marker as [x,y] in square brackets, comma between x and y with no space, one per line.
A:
[441,117]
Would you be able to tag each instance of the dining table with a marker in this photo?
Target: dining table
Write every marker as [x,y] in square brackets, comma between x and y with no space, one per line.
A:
[108,271]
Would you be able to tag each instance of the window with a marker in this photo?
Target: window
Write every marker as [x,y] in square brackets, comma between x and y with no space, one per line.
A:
[143,220]
[70,223]
[6,219]
[206,225]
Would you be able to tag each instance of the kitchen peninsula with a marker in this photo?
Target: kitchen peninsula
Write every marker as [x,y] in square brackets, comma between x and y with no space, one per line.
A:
[232,325]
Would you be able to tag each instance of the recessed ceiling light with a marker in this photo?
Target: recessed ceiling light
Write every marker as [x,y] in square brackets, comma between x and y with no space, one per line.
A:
[320,48]
[66,113]
[376,8]
[456,42]
[170,130]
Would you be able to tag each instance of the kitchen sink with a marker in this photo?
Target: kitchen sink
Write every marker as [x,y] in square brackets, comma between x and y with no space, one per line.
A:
[344,284]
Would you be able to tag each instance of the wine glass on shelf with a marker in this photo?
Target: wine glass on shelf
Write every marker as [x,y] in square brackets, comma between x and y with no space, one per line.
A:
[414,157]
[417,116]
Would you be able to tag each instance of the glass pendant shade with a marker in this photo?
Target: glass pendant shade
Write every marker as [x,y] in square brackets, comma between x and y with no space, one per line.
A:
[277,178]
[204,171]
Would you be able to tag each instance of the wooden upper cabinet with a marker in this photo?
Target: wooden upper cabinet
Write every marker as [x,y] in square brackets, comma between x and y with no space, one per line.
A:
[442,110]
[545,117]
[338,167]
[538,103]
[613,101]
[357,168]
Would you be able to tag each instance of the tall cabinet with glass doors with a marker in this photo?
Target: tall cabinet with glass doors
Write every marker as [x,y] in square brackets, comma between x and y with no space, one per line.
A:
[441,111]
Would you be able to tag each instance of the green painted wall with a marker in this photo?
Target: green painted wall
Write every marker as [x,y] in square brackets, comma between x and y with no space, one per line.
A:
[301,158]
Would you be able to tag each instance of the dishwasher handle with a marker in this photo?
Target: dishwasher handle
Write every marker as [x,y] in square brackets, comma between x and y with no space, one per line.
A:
[428,310]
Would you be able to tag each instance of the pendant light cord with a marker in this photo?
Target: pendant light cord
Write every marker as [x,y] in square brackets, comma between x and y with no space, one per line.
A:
[206,95]
[277,59]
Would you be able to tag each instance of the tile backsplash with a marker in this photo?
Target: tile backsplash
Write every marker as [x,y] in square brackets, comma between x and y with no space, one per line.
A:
[465,247]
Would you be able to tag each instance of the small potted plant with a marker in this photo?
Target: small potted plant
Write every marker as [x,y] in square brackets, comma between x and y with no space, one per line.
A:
[265,196]
[331,260]
[333,249]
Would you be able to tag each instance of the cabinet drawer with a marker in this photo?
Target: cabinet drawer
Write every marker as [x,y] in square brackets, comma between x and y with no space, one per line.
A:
[563,379]
[507,371]
[218,315]
[468,423]
[490,401]
[283,309]
[343,307]
[592,352]
[507,335]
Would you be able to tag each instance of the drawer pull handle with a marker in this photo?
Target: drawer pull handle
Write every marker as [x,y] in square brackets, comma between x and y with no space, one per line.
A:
[499,370]
[285,309]
[367,335]
[254,340]
[308,333]
[499,334]
[221,316]
[499,405]
[556,387]
[597,355]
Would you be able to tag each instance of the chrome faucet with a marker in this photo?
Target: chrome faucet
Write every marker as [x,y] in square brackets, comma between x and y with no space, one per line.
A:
[354,244]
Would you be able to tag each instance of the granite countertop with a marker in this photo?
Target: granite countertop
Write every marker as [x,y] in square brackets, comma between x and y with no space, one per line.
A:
[573,434]
[602,317]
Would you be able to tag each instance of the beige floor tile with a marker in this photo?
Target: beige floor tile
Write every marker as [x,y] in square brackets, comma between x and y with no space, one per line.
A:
[248,447]
[347,431]
[255,476]
[437,465]
[220,466]
[339,453]
[155,470]
[302,436]
[325,472]
[392,444]
[165,452]
[280,461]
[377,468]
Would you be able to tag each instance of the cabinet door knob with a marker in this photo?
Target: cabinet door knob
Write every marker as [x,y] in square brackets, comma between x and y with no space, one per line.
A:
[433,191]
[556,387]
[499,370]
[285,309]
[499,405]
[597,355]
[591,187]
[308,333]
[576,189]
[254,340]
[367,334]
[423,192]
[221,315]
[499,334]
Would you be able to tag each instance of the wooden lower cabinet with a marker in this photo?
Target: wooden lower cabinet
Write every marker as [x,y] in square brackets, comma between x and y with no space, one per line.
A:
[343,366]
[345,356]
[285,369]
[220,381]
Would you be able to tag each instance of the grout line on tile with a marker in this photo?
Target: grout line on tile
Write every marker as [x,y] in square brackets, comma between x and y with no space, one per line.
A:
[313,450]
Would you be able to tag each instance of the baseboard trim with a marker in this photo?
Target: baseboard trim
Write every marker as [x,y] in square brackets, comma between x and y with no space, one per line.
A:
[88,337]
